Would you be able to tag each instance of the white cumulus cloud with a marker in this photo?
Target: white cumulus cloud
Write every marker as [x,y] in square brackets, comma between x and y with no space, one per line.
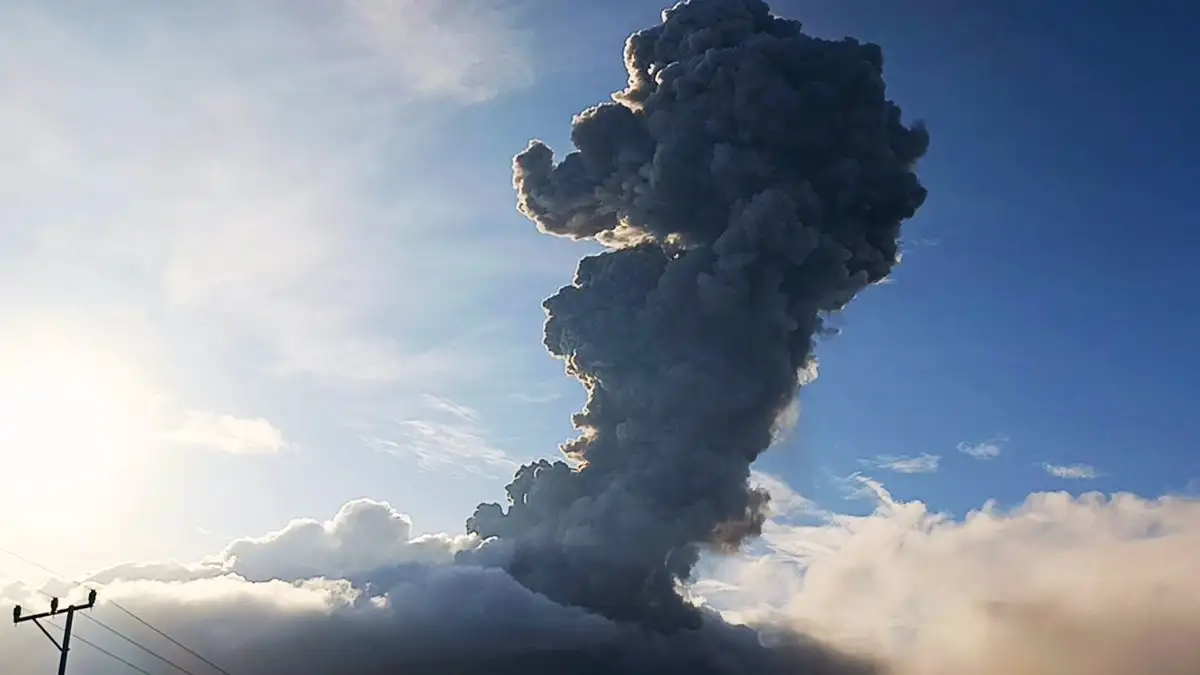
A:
[363,536]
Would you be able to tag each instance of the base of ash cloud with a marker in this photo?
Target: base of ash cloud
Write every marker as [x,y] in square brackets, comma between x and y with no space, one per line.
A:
[638,660]
[718,648]
[423,618]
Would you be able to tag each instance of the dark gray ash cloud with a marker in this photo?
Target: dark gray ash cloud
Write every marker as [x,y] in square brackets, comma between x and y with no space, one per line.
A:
[748,180]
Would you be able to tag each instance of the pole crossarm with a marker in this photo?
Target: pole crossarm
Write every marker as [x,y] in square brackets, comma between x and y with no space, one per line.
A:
[55,610]
[18,617]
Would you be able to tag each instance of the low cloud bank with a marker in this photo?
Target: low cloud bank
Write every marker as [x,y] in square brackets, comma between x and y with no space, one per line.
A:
[1102,585]
[1060,584]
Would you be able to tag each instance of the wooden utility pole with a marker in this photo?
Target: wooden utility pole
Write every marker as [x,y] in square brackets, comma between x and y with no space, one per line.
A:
[55,611]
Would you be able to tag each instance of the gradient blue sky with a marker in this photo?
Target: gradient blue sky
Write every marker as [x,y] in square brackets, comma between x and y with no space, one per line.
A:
[288,228]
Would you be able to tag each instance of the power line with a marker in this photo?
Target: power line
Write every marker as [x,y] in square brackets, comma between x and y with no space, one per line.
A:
[107,653]
[139,645]
[67,631]
[27,561]
[177,643]
[131,614]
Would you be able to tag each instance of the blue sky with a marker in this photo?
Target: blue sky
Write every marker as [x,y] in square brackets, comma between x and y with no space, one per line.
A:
[1035,304]
[295,238]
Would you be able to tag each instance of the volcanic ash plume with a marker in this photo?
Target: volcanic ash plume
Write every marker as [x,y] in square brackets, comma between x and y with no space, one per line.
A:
[747,180]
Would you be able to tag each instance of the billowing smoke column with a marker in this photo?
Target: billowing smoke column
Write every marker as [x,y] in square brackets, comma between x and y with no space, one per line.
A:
[748,179]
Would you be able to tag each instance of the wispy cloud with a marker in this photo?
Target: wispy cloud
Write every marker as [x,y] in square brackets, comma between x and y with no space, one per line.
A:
[1071,471]
[924,463]
[543,393]
[471,50]
[226,433]
[989,449]
[443,405]
[235,190]
[858,486]
[785,501]
[448,437]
